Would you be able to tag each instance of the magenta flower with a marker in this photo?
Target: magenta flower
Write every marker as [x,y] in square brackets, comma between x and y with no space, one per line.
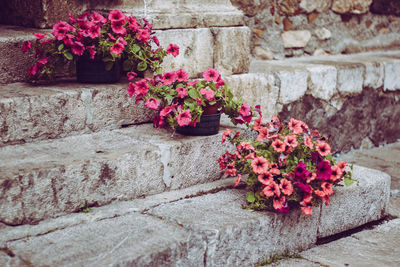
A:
[97,18]
[43,61]
[156,41]
[26,46]
[167,110]
[78,48]
[33,70]
[246,113]
[118,27]
[141,87]
[91,50]
[152,103]
[169,78]
[131,75]
[324,170]
[39,36]
[208,94]
[184,118]
[173,49]
[117,48]
[181,92]
[116,15]
[211,75]
[181,75]
[143,35]
[301,171]
[94,31]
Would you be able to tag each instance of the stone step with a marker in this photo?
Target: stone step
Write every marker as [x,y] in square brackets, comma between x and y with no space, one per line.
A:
[30,113]
[224,48]
[164,14]
[48,178]
[347,97]
[204,225]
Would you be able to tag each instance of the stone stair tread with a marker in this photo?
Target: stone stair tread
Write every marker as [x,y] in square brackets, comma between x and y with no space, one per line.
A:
[185,228]
[49,177]
[37,112]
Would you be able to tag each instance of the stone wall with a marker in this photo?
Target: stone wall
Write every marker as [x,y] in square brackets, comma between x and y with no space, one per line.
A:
[292,28]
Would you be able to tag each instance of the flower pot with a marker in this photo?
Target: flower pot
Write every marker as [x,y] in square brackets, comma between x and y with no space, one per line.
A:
[208,125]
[94,71]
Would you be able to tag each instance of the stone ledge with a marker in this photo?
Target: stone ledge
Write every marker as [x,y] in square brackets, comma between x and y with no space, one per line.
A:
[31,113]
[213,229]
[49,178]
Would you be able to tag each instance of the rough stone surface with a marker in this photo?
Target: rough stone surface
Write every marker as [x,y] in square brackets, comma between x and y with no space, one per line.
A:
[256,89]
[323,33]
[295,39]
[263,53]
[287,7]
[40,112]
[351,6]
[45,179]
[315,5]
[377,247]
[392,81]
[350,79]
[236,236]
[195,49]
[386,7]
[134,240]
[293,85]
[356,119]
[231,50]
[354,205]
[322,81]
[14,65]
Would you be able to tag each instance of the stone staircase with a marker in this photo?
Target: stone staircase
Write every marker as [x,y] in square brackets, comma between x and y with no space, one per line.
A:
[154,200]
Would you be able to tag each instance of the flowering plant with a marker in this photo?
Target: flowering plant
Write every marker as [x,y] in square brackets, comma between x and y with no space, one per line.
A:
[112,39]
[181,101]
[287,166]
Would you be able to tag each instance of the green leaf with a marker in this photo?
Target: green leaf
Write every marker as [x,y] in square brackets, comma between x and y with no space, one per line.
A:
[135,48]
[348,181]
[109,65]
[68,55]
[250,197]
[142,66]
[60,47]
[194,94]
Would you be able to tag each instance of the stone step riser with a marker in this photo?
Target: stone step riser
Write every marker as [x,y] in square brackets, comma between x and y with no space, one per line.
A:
[225,48]
[185,229]
[45,179]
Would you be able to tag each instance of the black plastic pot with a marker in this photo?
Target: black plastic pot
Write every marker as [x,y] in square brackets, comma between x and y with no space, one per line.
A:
[94,71]
[208,125]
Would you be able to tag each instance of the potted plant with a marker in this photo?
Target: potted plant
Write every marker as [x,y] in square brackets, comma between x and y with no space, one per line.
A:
[99,46]
[192,107]
[286,166]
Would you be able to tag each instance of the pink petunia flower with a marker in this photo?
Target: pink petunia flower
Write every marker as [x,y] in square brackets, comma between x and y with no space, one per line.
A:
[167,110]
[279,202]
[184,118]
[33,70]
[40,36]
[182,76]
[131,75]
[259,165]
[26,46]
[278,146]
[336,173]
[193,83]
[156,41]
[291,141]
[295,126]
[173,49]
[143,35]
[43,61]
[152,103]
[271,189]
[230,169]
[116,15]
[91,50]
[226,134]
[237,181]
[324,170]
[211,75]
[118,27]
[94,31]
[78,48]
[182,93]
[323,148]
[117,48]
[286,187]
[208,94]
[265,178]
[169,78]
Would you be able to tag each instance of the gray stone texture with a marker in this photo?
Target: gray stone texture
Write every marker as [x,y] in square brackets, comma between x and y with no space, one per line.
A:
[377,247]
[45,179]
[235,236]
[350,33]
[40,112]
[231,50]
[354,205]
[130,240]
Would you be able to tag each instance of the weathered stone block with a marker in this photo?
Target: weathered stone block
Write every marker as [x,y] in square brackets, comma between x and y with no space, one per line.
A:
[392,81]
[195,50]
[256,89]
[322,81]
[295,39]
[44,179]
[315,5]
[350,78]
[351,6]
[293,84]
[130,240]
[231,50]
[235,236]
[354,205]
[374,74]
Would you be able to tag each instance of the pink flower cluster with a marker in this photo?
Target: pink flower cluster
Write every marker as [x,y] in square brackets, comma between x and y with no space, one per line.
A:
[287,165]
[178,100]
